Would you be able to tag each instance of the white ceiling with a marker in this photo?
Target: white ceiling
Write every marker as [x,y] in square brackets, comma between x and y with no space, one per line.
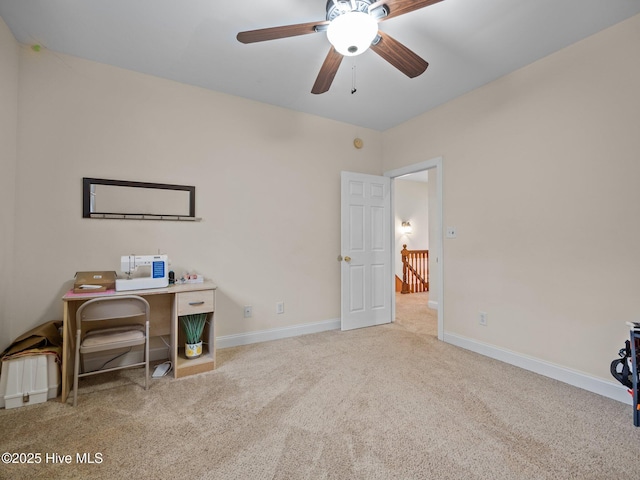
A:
[468,43]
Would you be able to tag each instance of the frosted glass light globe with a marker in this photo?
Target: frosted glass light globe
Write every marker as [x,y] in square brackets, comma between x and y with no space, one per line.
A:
[352,33]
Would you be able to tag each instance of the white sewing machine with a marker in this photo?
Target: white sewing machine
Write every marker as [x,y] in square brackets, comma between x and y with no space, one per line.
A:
[143,271]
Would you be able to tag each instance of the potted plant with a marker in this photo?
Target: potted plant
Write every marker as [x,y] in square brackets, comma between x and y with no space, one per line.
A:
[193,326]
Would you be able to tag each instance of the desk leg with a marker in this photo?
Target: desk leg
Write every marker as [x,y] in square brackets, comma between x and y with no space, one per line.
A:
[67,361]
[174,334]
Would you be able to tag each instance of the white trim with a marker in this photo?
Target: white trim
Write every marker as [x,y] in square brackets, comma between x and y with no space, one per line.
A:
[432,305]
[392,241]
[572,377]
[416,167]
[436,163]
[238,339]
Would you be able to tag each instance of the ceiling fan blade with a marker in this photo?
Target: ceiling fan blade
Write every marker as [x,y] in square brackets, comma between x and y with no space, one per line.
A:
[399,56]
[273,33]
[327,72]
[400,7]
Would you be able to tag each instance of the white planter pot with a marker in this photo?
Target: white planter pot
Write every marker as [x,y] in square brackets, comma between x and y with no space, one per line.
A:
[193,350]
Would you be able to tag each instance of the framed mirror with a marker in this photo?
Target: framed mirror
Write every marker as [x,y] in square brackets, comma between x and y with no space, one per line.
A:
[103,198]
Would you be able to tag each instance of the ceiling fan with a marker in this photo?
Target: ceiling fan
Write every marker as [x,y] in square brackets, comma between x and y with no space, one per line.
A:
[351,27]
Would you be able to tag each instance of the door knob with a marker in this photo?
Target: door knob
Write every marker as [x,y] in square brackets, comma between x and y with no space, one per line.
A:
[347,259]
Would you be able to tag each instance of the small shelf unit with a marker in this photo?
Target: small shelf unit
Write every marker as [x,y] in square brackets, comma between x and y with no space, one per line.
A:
[188,303]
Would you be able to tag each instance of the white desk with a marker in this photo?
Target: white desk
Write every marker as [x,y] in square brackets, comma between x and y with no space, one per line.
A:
[167,304]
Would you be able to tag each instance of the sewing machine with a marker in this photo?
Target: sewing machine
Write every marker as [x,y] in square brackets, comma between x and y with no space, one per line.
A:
[143,271]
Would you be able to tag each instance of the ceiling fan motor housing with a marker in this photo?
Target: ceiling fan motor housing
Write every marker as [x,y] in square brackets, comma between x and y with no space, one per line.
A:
[352,28]
[335,8]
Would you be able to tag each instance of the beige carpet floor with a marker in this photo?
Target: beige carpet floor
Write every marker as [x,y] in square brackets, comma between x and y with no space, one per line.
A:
[374,403]
[413,313]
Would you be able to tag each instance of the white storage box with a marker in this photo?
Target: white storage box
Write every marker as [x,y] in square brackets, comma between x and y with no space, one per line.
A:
[28,380]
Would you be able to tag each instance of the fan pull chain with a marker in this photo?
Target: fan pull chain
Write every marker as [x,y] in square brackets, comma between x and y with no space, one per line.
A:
[353,80]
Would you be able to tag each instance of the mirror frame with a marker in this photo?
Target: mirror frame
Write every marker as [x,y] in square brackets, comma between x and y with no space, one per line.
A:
[86,200]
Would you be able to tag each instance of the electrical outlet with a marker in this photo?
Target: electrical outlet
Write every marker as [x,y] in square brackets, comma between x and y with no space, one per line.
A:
[280,307]
[248,311]
[483,318]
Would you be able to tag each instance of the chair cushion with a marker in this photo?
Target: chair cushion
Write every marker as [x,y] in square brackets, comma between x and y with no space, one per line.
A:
[110,338]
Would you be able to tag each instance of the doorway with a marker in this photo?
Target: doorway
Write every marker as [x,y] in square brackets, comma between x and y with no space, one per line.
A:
[431,304]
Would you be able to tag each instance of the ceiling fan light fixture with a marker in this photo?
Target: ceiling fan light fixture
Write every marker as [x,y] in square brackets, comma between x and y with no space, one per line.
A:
[352,33]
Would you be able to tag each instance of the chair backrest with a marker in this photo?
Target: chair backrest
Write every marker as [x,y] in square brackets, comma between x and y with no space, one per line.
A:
[112,308]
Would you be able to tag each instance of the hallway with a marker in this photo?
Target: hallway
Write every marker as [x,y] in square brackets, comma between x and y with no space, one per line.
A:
[413,313]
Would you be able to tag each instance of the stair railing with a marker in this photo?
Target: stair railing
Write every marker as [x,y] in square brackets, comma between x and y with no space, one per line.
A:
[415,270]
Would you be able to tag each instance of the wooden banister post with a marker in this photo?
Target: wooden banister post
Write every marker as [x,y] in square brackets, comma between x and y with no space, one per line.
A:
[405,283]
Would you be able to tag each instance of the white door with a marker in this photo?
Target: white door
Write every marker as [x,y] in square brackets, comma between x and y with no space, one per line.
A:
[366,251]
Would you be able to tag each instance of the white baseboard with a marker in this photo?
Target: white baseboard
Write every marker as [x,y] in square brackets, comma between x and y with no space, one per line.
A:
[238,339]
[572,377]
[432,304]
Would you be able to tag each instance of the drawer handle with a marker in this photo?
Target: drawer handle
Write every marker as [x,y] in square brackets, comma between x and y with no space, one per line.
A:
[196,303]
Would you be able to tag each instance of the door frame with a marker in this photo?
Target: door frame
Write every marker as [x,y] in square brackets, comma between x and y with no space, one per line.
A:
[433,164]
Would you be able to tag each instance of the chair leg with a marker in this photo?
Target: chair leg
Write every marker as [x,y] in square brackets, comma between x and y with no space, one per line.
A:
[146,358]
[76,372]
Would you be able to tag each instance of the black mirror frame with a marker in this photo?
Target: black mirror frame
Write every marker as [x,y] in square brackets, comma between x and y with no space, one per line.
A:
[86,199]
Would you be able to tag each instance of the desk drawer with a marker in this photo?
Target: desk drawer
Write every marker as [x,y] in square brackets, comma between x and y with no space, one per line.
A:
[195,302]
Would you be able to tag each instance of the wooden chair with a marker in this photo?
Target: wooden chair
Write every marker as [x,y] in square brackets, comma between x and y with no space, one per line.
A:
[124,323]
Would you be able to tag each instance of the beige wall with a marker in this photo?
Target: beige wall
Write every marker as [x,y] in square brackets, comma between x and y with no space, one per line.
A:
[267,184]
[541,180]
[8,160]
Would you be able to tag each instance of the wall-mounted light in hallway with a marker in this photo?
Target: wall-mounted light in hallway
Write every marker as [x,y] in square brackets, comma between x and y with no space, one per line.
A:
[407,228]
